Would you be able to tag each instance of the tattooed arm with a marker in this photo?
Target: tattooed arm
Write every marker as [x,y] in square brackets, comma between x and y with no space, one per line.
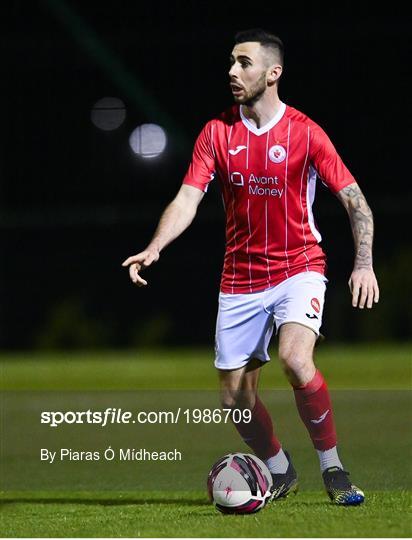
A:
[362,283]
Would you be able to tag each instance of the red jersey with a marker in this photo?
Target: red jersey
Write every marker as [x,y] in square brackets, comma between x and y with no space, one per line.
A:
[268,180]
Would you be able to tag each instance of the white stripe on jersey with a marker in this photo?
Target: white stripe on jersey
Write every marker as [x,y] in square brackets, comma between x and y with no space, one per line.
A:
[233,209]
[310,197]
[266,245]
[247,247]
[212,145]
[286,201]
[247,150]
[267,151]
[228,155]
[301,203]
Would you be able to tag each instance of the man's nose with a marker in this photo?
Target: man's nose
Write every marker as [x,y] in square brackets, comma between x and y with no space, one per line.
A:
[233,71]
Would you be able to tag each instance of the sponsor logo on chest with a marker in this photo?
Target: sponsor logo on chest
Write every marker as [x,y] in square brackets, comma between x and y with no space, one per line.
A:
[258,185]
[263,181]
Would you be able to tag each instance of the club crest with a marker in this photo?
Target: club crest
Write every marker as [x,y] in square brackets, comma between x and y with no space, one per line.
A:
[315,304]
[277,153]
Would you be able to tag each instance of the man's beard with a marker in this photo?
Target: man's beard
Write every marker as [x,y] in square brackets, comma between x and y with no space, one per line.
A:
[255,93]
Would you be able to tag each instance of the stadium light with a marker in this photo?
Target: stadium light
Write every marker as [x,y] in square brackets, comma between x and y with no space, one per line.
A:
[126,80]
[108,113]
[148,140]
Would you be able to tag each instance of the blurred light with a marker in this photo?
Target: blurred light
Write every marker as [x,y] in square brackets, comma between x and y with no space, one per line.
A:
[108,113]
[148,140]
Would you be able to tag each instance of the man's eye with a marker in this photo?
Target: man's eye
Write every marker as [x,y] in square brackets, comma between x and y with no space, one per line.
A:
[245,64]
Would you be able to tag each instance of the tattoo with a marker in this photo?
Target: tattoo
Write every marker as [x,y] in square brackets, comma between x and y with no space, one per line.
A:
[361,220]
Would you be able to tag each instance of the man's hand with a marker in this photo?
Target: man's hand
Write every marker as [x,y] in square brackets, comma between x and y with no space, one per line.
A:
[364,288]
[139,262]
[362,283]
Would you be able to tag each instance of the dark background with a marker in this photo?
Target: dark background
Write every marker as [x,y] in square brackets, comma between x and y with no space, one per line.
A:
[76,201]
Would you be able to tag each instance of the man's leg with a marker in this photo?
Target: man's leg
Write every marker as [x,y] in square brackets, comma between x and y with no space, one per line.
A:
[243,330]
[239,391]
[296,344]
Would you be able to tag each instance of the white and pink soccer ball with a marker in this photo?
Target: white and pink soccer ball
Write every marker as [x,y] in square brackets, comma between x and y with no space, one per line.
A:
[239,484]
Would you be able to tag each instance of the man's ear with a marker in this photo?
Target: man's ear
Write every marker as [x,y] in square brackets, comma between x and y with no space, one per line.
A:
[274,74]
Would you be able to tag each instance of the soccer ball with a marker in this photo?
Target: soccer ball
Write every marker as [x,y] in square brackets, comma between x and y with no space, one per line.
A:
[239,484]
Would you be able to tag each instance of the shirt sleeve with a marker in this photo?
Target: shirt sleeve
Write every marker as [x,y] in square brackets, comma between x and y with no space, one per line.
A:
[327,162]
[202,168]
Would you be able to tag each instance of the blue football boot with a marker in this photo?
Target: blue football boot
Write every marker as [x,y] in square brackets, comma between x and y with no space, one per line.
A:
[340,489]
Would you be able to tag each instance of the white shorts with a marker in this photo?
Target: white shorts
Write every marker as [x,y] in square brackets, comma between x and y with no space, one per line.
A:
[245,322]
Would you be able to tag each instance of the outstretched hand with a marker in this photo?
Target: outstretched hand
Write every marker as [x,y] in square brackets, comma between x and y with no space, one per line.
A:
[364,288]
[139,262]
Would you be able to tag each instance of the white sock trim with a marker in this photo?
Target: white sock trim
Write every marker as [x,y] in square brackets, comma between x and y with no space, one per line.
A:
[329,458]
[278,464]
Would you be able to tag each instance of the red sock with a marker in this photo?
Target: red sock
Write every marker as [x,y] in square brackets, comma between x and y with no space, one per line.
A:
[258,433]
[315,409]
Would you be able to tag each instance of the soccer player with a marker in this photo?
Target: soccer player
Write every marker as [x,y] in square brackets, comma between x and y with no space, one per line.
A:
[267,156]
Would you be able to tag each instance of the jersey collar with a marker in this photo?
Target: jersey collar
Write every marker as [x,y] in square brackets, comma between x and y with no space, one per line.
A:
[268,126]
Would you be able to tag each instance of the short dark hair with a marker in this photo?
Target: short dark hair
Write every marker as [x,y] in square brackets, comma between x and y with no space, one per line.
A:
[264,38]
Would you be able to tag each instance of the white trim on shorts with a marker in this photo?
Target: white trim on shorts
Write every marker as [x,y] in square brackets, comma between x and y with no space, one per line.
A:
[245,322]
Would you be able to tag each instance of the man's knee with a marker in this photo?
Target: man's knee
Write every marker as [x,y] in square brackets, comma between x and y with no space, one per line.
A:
[296,344]
[297,364]
[237,398]
[238,387]
[228,399]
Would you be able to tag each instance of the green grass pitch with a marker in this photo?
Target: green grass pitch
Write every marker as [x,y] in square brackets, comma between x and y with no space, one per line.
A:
[370,386]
